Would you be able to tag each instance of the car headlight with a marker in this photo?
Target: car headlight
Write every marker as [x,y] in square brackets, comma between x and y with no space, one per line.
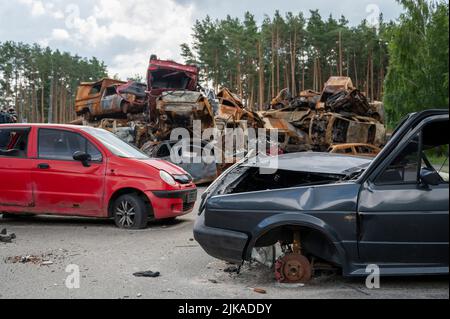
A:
[166,177]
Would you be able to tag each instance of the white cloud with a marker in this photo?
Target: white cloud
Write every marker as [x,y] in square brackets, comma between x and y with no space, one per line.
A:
[37,7]
[149,26]
[131,29]
[60,34]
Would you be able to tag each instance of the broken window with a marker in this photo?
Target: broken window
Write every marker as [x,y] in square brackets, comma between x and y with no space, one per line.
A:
[96,89]
[110,91]
[169,79]
[14,142]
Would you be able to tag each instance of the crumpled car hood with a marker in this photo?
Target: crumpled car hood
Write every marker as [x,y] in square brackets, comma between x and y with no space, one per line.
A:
[321,163]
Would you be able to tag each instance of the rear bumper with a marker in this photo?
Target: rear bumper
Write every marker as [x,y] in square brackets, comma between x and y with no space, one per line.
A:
[219,243]
[170,204]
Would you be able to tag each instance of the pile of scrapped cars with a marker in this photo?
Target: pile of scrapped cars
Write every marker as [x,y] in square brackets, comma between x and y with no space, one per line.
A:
[146,115]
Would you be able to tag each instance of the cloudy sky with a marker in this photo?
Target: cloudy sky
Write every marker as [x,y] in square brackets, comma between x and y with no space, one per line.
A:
[124,33]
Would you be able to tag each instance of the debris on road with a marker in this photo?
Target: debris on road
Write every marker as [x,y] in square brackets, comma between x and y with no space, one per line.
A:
[24,260]
[5,238]
[260,291]
[147,274]
[231,269]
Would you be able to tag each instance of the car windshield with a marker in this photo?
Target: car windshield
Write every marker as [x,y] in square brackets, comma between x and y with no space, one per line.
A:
[115,144]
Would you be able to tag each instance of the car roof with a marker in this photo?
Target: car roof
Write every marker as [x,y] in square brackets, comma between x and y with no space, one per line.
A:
[61,126]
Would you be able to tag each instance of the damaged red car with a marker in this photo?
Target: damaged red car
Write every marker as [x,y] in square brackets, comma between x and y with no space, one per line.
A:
[82,171]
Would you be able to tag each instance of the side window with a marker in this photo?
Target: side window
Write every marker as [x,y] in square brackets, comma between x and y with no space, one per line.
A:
[61,145]
[435,150]
[96,89]
[14,143]
[433,146]
[404,168]
[111,90]
[92,150]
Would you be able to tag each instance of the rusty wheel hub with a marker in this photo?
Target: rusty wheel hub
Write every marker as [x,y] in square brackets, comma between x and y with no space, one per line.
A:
[293,268]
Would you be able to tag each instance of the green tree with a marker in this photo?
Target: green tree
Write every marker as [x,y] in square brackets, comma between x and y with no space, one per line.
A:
[417,76]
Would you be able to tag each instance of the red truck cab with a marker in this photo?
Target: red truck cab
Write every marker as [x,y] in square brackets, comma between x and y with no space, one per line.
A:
[164,76]
[83,171]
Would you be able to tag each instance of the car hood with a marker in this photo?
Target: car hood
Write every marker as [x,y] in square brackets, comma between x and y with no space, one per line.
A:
[320,163]
[162,165]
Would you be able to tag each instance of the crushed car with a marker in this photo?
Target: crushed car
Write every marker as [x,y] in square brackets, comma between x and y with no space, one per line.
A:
[109,98]
[179,109]
[164,76]
[347,211]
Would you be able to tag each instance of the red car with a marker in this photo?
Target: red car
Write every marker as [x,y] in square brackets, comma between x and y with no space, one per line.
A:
[82,171]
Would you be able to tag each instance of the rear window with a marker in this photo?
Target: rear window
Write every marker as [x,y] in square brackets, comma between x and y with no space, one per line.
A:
[14,142]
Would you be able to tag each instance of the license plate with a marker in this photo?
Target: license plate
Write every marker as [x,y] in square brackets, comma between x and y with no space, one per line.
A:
[191,197]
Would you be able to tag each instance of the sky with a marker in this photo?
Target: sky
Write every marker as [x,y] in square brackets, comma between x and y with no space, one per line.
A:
[124,33]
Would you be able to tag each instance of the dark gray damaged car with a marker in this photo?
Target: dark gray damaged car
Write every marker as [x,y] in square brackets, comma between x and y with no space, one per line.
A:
[391,211]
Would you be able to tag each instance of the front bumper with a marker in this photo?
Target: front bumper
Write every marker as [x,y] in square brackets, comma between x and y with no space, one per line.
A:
[170,204]
[219,243]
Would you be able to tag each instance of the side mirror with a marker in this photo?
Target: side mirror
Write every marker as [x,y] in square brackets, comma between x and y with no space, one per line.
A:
[430,177]
[82,157]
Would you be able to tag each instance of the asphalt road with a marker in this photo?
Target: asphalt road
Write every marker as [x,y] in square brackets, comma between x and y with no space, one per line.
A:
[107,257]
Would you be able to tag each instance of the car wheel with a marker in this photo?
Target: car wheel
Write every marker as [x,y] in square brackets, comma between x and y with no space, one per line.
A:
[130,212]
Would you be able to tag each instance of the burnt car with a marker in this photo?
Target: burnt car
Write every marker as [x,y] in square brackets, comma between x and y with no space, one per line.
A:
[355,149]
[350,212]
[110,98]
[164,76]
[202,172]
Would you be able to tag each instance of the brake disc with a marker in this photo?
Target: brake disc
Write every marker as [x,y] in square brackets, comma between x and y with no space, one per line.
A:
[293,268]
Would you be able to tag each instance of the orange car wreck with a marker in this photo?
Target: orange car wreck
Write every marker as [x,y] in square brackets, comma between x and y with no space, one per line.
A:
[109,98]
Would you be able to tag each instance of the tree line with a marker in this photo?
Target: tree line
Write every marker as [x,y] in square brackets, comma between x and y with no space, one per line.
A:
[40,83]
[258,61]
[299,53]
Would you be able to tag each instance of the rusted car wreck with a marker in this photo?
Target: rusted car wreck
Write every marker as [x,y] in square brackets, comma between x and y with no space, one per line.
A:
[109,98]
[340,114]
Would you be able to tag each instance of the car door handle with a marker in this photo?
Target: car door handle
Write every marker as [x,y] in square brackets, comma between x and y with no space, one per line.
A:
[43,166]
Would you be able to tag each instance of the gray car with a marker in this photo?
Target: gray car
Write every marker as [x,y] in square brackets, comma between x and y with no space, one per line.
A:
[351,212]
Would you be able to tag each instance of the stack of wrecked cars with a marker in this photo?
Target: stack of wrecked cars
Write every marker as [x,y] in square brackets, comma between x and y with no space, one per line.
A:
[339,115]
[148,116]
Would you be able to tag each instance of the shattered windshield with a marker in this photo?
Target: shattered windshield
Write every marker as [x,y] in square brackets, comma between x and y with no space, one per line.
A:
[115,144]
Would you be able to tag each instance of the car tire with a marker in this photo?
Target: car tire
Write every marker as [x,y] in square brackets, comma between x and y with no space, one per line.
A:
[130,212]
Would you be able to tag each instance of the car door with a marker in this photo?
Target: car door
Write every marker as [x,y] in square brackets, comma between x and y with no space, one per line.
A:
[63,185]
[16,187]
[403,221]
